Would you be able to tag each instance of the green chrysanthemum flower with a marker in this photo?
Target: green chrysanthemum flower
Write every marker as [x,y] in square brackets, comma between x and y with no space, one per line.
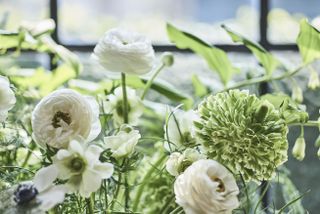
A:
[244,133]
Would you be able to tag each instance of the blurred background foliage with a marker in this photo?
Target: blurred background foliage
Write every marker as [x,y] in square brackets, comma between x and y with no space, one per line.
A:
[83,22]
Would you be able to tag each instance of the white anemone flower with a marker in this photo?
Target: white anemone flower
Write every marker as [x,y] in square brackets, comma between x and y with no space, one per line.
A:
[122,144]
[63,115]
[78,164]
[124,51]
[179,162]
[7,98]
[114,105]
[179,130]
[206,187]
[45,198]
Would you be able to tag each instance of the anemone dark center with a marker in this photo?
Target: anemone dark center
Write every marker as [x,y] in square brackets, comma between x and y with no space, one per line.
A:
[77,164]
[25,193]
[60,116]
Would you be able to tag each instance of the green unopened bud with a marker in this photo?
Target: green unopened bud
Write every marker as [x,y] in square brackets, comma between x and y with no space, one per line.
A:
[298,150]
[262,111]
[317,142]
[297,94]
[167,59]
[313,80]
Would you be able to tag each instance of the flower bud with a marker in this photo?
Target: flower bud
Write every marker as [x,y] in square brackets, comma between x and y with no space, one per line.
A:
[313,80]
[298,150]
[167,59]
[297,94]
[262,112]
[317,142]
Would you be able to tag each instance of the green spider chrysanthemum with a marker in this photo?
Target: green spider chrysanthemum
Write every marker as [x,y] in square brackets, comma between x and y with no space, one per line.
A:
[244,133]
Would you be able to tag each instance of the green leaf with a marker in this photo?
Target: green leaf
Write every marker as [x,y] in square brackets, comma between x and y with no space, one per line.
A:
[308,42]
[9,40]
[160,86]
[199,88]
[216,58]
[267,60]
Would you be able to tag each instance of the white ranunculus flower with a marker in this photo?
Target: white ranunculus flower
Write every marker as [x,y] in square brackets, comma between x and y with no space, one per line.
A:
[78,164]
[114,105]
[122,144]
[179,130]
[206,187]
[124,51]
[62,115]
[7,98]
[179,162]
[47,198]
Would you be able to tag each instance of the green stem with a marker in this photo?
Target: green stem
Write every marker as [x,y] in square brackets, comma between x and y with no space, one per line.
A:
[32,147]
[116,194]
[125,99]
[126,191]
[265,79]
[90,203]
[309,123]
[150,81]
[145,180]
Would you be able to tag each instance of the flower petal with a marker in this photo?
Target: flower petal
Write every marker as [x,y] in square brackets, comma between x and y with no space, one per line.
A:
[75,147]
[95,124]
[91,181]
[45,177]
[92,154]
[52,197]
[105,170]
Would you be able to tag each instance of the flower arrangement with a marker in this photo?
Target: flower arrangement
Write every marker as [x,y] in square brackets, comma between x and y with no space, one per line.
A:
[72,145]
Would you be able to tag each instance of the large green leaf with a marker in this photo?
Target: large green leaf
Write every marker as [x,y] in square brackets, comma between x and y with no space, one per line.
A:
[267,60]
[160,86]
[200,89]
[216,58]
[308,42]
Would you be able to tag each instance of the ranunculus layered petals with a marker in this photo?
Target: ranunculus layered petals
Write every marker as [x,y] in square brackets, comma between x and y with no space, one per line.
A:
[7,98]
[124,51]
[63,115]
[206,187]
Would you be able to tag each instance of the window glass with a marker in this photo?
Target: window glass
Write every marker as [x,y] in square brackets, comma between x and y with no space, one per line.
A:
[12,12]
[284,17]
[85,21]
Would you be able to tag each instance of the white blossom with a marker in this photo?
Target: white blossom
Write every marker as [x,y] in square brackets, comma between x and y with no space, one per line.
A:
[122,144]
[62,115]
[179,130]
[206,187]
[7,98]
[178,162]
[114,105]
[78,164]
[124,51]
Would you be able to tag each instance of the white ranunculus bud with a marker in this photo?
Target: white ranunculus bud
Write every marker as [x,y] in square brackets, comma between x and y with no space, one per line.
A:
[114,105]
[179,131]
[297,94]
[79,165]
[122,144]
[124,51]
[63,115]
[299,149]
[313,80]
[7,98]
[178,163]
[206,187]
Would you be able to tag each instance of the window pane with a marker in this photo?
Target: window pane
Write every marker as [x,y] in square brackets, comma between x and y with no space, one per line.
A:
[85,21]
[285,15]
[15,11]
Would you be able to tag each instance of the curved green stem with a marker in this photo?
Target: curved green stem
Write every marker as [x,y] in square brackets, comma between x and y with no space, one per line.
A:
[145,180]
[116,194]
[265,79]
[90,204]
[309,123]
[125,99]
[150,81]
